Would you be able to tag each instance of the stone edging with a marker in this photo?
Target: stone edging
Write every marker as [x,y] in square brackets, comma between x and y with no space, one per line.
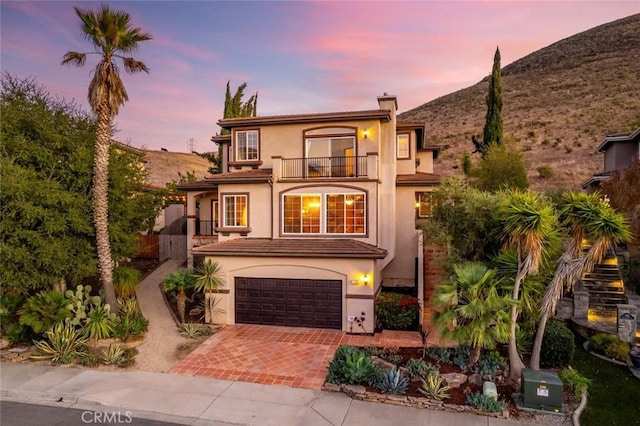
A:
[360,393]
[576,414]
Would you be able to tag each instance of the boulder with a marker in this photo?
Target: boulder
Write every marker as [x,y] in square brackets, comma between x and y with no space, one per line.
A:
[454,380]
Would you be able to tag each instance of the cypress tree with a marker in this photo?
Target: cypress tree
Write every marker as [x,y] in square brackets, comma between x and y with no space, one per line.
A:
[235,108]
[492,133]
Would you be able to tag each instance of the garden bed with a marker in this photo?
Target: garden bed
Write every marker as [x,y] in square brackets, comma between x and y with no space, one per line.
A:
[462,382]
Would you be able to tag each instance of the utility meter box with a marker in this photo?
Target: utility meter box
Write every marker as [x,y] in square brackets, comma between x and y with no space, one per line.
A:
[541,390]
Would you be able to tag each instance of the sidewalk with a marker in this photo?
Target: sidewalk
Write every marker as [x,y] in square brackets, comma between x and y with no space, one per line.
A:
[203,401]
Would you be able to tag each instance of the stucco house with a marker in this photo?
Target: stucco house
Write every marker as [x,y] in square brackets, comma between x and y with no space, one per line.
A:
[313,214]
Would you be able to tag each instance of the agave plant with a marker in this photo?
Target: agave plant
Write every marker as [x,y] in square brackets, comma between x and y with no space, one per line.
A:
[191,330]
[62,345]
[357,368]
[112,355]
[434,387]
[393,382]
[418,369]
[99,323]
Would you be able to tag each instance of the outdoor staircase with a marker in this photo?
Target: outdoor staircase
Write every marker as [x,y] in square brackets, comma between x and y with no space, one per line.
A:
[605,287]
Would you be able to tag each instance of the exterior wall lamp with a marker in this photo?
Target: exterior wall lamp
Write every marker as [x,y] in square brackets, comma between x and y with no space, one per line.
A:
[365,133]
[365,279]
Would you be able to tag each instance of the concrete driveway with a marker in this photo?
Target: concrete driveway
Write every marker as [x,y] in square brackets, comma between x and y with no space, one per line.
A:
[290,356]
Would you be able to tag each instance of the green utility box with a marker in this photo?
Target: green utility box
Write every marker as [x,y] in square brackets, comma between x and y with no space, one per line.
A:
[541,390]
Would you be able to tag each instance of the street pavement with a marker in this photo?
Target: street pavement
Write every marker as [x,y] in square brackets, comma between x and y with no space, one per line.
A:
[191,400]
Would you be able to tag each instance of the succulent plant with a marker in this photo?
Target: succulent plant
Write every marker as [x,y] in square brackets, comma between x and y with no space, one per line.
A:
[393,382]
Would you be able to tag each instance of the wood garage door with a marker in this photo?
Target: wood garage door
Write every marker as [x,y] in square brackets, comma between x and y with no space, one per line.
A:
[289,302]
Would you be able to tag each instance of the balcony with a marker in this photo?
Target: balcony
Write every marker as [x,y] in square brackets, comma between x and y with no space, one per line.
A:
[206,227]
[324,167]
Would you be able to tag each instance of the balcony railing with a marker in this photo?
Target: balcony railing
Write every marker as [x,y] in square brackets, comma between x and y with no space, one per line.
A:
[324,167]
[206,227]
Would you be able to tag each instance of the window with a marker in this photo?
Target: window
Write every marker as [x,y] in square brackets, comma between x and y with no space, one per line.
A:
[424,203]
[345,213]
[330,151]
[324,214]
[402,146]
[247,145]
[235,211]
[302,214]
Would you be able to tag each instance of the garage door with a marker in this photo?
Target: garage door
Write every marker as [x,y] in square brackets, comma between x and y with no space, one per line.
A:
[289,302]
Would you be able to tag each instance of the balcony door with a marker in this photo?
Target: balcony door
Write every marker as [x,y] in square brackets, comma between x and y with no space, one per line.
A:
[330,152]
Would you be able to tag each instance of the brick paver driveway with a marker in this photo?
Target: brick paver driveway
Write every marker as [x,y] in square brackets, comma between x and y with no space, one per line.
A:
[290,356]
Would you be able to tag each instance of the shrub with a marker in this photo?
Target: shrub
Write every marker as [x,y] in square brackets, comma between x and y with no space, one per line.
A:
[90,359]
[439,354]
[434,387]
[618,350]
[490,363]
[391,354]
[545,172]
[393,382]
[44,310]
[125,281]
[575,381]
[558,345]
[396,311]
[128,358]
[418,369]
[485,403]
[609,345]
[62,345]
[130,322]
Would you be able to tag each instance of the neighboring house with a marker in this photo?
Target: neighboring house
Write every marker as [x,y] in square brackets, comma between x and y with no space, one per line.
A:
[313,214]
[621,150]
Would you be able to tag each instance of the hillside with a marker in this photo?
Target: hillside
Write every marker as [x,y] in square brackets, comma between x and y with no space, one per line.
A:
[559,103]
[163,166]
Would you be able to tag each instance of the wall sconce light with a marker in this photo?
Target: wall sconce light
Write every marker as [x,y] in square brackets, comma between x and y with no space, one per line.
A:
[365,133]
[417,204]
[365,279]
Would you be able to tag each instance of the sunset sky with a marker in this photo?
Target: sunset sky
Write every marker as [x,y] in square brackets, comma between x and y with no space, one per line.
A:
[300,56]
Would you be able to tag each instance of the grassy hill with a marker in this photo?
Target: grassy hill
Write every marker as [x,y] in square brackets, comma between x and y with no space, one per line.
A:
[559,103]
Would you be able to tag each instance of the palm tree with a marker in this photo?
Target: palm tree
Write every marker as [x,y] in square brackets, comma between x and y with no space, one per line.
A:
[209,280]
[112,36]
[528,224]
[588,218]
[179,281]
[471,310]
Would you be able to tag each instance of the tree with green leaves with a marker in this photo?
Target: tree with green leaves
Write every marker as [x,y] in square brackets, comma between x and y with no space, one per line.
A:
[588,218]
[528,223]
[234,107]
[492,132]
[471,309]
[502,167]
[111,34]
[46,237]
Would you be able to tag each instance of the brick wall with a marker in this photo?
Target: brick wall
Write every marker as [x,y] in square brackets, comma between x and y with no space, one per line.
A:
[434,260]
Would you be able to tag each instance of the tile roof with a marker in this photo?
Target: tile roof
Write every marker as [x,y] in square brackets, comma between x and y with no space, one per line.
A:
[379,114]
[418,179]
[243,176]
[286,247]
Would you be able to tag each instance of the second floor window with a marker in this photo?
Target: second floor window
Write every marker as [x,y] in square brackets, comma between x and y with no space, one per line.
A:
[247,145]
[402,146]
[345,214]
[235,211]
